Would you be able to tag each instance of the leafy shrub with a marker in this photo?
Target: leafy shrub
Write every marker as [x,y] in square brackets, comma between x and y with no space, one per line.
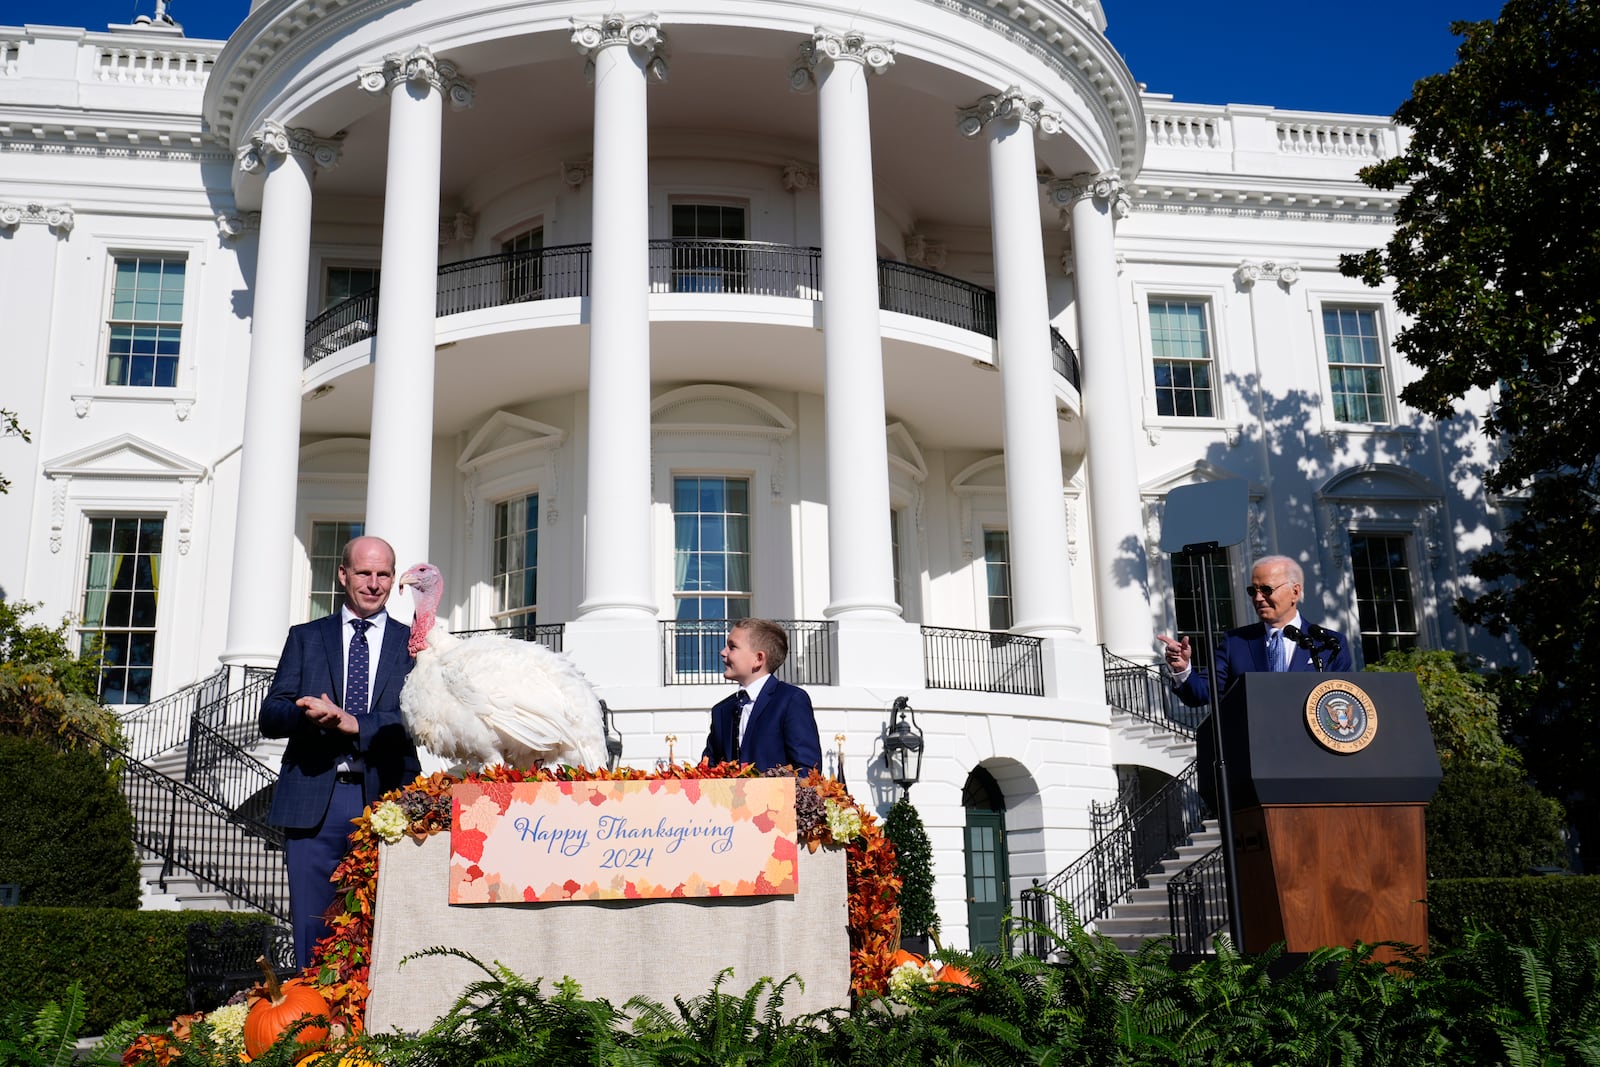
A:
[69,832]
[1486,821]
[1463,710]
[131,963]
[913,863]
[1512,906]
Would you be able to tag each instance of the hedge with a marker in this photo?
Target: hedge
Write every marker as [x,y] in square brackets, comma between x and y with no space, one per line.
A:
[131,962]
[68,839]
[1511,906]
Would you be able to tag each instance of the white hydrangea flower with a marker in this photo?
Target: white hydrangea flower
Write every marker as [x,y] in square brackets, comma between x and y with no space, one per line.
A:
[844,821]
[389,821]
[227,1027]
[908,976]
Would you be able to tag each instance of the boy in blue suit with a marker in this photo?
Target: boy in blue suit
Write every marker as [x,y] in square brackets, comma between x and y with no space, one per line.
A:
[767,722]
[1276,585]
[336,697]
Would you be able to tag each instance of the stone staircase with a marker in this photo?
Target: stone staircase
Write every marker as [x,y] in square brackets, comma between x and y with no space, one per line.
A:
[198,795]
[1143,913]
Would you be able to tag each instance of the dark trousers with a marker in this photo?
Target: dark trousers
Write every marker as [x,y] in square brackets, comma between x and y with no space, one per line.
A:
[312,856]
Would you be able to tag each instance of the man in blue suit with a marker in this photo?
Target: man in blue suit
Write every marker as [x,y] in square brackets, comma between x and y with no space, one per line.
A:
[1276,585]
[336,697]
[767,722]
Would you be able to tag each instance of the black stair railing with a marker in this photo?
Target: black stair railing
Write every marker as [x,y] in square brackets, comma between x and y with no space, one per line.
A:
[1126,850]
[1197,903]
[163,725]
[983,661]
[1142,690]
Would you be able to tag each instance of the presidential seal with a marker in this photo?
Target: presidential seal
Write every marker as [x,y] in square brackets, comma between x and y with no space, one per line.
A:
[1341,717]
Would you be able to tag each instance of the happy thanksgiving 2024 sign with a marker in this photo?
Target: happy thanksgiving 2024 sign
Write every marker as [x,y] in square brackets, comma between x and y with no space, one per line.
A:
[524,842]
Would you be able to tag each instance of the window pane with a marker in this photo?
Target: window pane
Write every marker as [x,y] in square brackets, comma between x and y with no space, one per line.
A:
[711,531]
[121,582]
[327,544]
[997,574]
[1181,363]
[1385,608]
[1355,364]
[516,556]
[146,320]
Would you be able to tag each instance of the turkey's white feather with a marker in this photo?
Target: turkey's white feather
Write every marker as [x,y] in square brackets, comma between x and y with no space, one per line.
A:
[491,699]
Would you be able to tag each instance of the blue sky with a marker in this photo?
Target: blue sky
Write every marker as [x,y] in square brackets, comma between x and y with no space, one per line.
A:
[1358,56]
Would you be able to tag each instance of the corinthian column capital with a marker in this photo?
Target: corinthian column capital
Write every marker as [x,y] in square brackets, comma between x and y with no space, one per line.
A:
[273,138]
[830,46]
[643,33]
[1011,104]
[421,66]
[1107,187]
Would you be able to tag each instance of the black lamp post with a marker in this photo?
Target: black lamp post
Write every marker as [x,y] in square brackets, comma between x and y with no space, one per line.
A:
[902,747]
[613,738]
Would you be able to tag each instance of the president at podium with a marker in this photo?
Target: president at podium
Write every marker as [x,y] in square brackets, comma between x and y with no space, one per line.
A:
[1281,641]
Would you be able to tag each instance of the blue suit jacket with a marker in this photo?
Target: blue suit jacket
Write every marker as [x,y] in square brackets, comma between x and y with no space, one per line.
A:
[782,730]
[313,663]
[1245,649]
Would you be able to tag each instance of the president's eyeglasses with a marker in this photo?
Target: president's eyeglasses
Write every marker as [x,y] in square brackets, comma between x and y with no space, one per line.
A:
[1265,590]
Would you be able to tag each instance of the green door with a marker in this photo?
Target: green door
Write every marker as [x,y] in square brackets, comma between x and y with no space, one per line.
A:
[988,878]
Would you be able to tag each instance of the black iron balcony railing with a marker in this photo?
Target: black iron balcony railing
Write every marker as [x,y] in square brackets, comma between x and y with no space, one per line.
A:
[678,265]
[548,634]
[691,651]
[1141,690]
[983,661]
[1197,903]
[751,268]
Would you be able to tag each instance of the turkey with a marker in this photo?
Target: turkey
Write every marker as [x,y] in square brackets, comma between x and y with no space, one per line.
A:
[488,700]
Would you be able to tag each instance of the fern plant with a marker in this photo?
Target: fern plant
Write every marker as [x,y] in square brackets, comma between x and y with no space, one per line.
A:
[49,1038]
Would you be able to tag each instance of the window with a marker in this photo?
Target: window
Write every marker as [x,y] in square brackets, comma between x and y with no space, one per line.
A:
[1181,345]
[894,557]
[1186,595]
[524,265]
[327,546]
[344,282]
[1355,364]
[1384,606]
[121,581]
[997,571]
[516,562]
[146,324]
[701,262]
[711,565]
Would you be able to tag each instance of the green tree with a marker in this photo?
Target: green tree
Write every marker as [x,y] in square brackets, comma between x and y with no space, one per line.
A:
[1494,262]
[913,863]
[1463,710]
[44,688]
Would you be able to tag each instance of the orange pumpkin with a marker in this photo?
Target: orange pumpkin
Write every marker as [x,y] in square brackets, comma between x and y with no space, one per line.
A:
[953,975]
[281,1008]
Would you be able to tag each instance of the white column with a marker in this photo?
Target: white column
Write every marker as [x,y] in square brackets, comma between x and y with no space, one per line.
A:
[400,463]
[617,558]
[860,564]
[1041,582]
[1120,567]
[269,462]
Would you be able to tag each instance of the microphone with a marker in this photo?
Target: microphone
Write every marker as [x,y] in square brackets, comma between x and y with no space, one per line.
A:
[1300,638]
[1324,636]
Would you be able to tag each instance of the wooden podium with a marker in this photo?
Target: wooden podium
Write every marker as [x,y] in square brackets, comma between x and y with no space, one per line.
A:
[1329,776]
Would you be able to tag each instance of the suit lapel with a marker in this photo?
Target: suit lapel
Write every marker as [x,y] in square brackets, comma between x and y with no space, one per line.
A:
[396,638]
[769,693]
[333,649]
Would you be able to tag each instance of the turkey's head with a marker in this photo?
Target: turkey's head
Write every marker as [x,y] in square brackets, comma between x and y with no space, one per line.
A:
[427,589]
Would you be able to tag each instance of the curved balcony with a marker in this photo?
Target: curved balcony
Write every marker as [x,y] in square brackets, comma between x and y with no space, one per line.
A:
[678,265]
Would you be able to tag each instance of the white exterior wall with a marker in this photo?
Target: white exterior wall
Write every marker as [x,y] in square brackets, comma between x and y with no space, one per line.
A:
[736,384]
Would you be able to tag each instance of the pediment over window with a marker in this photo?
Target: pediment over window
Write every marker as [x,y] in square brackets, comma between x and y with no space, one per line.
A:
[1196,473]
[336,456]
[505,435]
[904,455]
[1379,481]
[718,409]
[984,476]
[124,456]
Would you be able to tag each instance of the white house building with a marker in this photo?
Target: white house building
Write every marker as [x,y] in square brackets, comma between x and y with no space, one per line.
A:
[897,322]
